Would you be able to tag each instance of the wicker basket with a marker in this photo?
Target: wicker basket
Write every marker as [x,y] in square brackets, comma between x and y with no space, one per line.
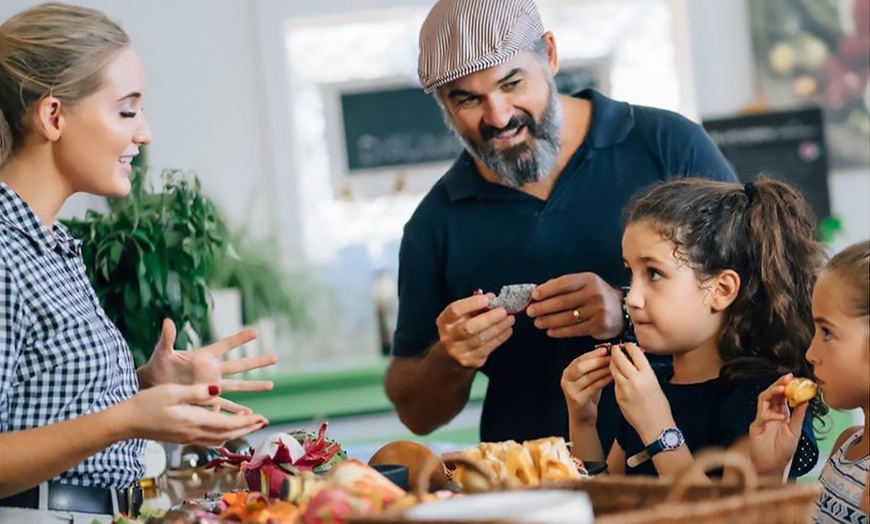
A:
[752,503]
[653,500]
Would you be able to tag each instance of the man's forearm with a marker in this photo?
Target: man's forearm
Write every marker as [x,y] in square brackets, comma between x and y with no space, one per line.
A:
[428,391]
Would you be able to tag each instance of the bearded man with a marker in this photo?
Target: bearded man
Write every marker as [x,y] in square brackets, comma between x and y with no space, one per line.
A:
[536,197]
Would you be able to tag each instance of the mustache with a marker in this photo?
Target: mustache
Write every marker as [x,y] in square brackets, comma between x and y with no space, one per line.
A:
[488,132]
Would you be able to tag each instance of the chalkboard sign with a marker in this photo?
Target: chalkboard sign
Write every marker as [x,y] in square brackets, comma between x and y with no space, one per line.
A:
[400,126]
[394,127]
[786,145]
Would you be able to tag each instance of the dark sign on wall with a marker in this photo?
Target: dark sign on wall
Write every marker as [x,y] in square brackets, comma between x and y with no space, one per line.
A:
[786,145]
[402,126]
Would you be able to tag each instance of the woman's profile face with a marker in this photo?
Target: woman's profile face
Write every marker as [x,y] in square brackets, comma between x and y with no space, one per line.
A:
[102,133]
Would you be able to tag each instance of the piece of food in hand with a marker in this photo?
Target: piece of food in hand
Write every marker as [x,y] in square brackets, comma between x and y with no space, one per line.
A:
[608,346]
[800,390]
[412,455]
[514,298]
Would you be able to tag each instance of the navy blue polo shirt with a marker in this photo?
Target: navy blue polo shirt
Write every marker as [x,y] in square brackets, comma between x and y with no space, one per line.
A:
[468,233]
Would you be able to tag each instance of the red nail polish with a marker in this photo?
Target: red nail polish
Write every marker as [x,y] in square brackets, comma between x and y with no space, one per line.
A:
[214,390]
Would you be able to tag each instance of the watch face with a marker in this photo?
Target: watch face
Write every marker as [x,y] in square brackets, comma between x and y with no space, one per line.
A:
[671,439]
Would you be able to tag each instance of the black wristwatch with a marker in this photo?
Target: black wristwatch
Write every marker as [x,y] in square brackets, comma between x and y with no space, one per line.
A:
[627,334]
[671,439]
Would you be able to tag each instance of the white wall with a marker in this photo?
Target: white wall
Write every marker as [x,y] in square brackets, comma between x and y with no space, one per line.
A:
[270,19]
[204,95]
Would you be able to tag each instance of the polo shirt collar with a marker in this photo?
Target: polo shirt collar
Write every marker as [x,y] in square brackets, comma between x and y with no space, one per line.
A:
[462,178]
[612,121]
[18,214]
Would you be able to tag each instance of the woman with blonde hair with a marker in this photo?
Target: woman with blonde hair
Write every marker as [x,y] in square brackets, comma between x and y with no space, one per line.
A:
[74,411]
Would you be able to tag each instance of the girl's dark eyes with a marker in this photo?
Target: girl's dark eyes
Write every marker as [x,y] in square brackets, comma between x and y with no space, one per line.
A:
[826,333]
[652,274]
[129,114]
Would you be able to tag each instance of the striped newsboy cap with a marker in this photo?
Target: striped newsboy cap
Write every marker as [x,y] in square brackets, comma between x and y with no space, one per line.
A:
[460,37]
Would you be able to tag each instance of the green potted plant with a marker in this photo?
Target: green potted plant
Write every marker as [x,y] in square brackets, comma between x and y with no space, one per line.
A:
[150,257]
[269,290]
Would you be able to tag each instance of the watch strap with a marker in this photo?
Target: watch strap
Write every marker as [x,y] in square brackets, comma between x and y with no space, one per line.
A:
[657,446]
[652,450]
[638,459]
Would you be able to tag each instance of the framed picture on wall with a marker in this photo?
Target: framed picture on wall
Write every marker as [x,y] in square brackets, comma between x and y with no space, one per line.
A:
[817,53]
[788,145]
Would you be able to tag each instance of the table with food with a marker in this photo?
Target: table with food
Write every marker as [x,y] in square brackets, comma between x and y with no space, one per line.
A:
[305,477]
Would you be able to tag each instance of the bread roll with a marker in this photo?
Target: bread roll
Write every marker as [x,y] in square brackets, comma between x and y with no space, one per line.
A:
[800,390]
[411,455]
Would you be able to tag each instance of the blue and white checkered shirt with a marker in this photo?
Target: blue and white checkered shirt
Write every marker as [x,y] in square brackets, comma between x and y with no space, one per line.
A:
[60,355]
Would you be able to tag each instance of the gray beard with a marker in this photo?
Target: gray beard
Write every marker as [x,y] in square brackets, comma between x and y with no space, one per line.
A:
[528,162]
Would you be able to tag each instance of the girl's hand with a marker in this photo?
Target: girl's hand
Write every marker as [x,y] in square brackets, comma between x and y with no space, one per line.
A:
[205,365]
[775,433]
[182,414]
[639,394]
[582,382]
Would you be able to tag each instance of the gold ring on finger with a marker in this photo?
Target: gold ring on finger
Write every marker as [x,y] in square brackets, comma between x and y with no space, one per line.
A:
[577,317]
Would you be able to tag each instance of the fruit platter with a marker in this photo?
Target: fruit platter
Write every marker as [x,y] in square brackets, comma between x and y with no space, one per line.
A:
[307,478]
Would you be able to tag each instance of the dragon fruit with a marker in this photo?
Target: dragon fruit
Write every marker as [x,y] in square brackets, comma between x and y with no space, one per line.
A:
[280,455]
[514,298]
[361,480]
[335,506]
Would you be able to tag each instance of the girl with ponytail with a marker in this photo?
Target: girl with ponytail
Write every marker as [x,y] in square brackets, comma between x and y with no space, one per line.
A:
[721,280]
[840,356]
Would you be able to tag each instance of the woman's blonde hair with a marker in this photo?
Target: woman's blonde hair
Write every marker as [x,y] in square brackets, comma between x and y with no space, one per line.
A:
[54,50]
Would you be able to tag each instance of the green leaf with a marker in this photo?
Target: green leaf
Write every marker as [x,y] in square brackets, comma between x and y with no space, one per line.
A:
[145,237]
[115,251]
[144,288]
